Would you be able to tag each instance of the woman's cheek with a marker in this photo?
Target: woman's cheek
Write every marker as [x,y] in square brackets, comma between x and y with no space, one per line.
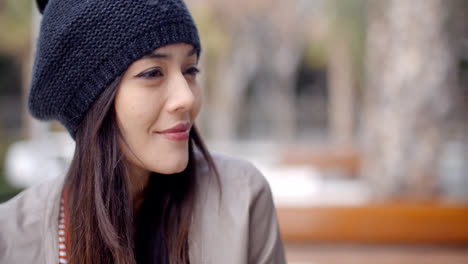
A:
[197,104]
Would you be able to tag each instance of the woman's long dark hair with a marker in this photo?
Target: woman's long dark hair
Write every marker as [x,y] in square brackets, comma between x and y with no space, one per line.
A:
[101,221]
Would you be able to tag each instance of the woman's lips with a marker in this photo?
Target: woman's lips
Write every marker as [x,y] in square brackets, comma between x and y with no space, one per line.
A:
[178,132]
[177,136]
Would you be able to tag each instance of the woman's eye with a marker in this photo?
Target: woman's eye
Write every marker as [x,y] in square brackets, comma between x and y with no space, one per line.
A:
[150,74]
[192,71]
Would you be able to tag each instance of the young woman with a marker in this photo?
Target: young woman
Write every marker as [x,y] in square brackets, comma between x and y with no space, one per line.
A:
[120,75]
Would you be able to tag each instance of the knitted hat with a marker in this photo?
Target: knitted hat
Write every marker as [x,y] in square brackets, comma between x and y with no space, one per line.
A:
[84,45]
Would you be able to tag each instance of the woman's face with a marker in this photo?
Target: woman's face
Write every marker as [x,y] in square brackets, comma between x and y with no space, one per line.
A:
[156,105]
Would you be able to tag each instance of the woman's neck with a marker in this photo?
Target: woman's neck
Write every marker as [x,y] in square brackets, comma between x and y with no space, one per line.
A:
[139,179]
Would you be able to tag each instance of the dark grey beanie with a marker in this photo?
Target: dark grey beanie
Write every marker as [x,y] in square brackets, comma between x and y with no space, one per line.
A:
[84,45]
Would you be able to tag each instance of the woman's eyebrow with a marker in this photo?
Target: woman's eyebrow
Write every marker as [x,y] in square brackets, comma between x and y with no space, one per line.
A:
[192,52]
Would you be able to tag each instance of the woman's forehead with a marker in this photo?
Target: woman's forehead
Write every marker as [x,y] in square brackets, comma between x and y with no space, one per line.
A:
[175,48]
[177,51]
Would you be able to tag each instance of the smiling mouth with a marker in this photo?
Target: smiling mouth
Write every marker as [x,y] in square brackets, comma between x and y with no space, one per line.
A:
[178,132]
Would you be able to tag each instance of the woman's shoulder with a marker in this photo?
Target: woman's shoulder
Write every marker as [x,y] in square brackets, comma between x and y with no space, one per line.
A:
[25,222]
[242,210]
[31,199]
[240,183]
[236,172]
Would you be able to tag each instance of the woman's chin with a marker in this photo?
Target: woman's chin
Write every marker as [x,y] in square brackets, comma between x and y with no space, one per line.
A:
[172,168]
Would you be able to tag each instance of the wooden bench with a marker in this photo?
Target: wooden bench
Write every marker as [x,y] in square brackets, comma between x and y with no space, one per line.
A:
[377,223]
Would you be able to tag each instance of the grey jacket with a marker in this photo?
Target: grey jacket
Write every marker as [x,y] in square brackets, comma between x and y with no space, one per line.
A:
[240,228]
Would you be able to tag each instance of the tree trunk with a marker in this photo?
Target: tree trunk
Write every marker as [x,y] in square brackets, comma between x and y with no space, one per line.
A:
[341,106]
[412,89]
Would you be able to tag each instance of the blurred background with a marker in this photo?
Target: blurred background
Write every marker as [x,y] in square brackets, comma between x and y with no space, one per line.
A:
[355,111]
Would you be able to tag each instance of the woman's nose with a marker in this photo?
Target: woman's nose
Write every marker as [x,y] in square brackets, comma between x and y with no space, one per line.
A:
[181,97]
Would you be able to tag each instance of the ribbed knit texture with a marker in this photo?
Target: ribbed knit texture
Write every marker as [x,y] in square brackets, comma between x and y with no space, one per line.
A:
[84,45]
